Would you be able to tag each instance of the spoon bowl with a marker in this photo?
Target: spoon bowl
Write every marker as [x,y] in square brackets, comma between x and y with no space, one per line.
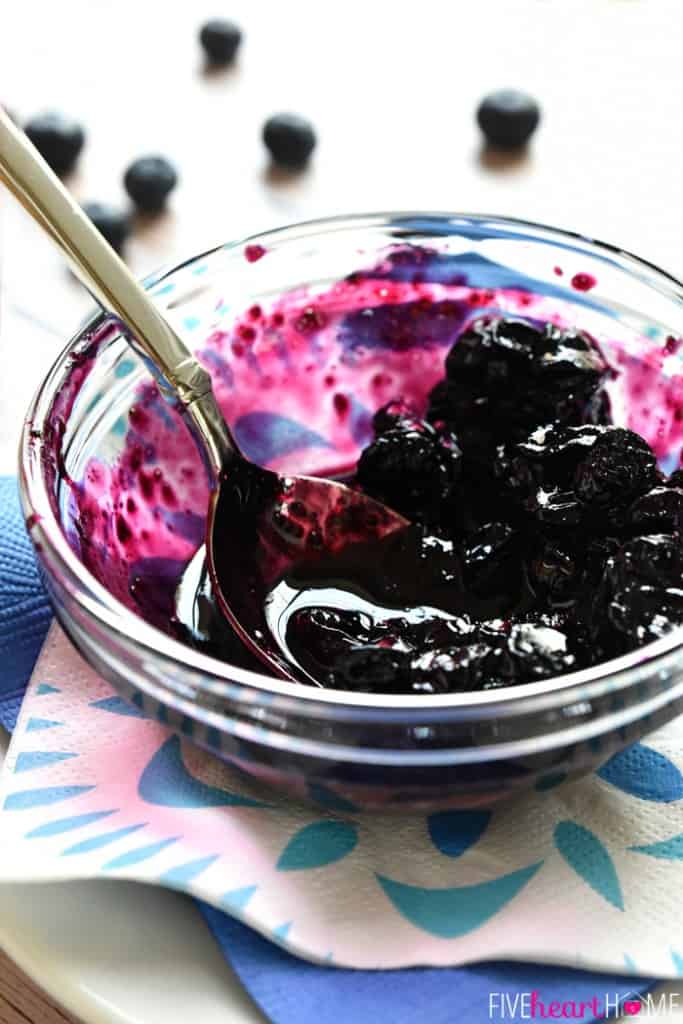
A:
[261,525]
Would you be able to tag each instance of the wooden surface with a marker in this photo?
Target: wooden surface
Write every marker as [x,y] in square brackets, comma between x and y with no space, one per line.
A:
[391,89]
[22,1001]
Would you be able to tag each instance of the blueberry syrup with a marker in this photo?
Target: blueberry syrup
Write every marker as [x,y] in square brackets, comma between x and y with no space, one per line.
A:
[506,565]
[253,253]
[583,282]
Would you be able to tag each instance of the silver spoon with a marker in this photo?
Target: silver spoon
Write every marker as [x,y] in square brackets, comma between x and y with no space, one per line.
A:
[259,524]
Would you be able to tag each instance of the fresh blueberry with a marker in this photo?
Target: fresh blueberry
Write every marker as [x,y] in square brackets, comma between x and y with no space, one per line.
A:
[508,118]
[58,139]
[220,40]
[149,180]
[289,139]
[111,222]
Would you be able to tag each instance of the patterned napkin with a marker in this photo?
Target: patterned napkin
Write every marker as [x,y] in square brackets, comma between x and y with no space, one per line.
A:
[589,874]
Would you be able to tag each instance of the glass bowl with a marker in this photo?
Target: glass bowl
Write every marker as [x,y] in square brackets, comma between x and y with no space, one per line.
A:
[340,749]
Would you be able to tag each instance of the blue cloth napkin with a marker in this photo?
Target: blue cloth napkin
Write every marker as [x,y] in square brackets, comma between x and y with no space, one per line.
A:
[289,990]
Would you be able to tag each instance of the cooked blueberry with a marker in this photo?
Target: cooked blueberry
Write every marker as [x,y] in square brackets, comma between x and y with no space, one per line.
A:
[493,567]
[111,222]
[371,669]
[567,475]
[415,471]
[539,652]
[416,567]
[658,511]
[220,40]
[676,479]
[457,630]
[546,461]
[289,139]
[555,572]
[619,467]
[395,414]
[58,139]
[149,180]
[455,669]
[524,653]
[506,373]
[508,117]
[597,553]
[642,588]
[322,634]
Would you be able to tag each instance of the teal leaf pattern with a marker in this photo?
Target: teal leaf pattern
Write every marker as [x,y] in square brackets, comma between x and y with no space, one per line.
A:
[587,856]
[166,782]
[318,844]
[453,832]
[450,913]
[667,849]
[644,773]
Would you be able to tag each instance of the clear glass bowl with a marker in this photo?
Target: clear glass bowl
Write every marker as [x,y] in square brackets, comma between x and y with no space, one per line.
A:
[340,749]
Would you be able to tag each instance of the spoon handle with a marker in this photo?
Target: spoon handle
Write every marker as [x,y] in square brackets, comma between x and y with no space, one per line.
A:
[107,278]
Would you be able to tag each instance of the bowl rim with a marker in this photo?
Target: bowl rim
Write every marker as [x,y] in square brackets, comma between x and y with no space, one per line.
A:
[95,600]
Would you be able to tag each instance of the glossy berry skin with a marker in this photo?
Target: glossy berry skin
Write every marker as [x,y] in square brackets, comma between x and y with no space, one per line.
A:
[395,414]
[456,669]
[369,669]
[508,118]
[504,374]
[555,571]
[658,511]
[566,476]
[619,467]
[538,472]
[539,651]
[492,558]
[149,180]
[58,139]
[415,471]
[289,139]
[641,592]
[112,223]
[220,40]
[525,653]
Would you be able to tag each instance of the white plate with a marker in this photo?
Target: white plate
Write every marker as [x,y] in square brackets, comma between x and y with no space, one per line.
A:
[114,952]
[121,953]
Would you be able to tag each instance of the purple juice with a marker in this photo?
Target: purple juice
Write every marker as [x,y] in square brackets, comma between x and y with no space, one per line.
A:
[299,378]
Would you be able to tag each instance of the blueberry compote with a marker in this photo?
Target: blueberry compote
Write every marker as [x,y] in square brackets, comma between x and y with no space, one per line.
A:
[526,453]
[544,538]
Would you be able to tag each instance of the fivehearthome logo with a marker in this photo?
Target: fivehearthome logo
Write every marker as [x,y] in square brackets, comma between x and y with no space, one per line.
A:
[521,1006]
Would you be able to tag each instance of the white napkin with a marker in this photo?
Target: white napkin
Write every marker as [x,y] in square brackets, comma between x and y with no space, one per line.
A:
[588,874]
